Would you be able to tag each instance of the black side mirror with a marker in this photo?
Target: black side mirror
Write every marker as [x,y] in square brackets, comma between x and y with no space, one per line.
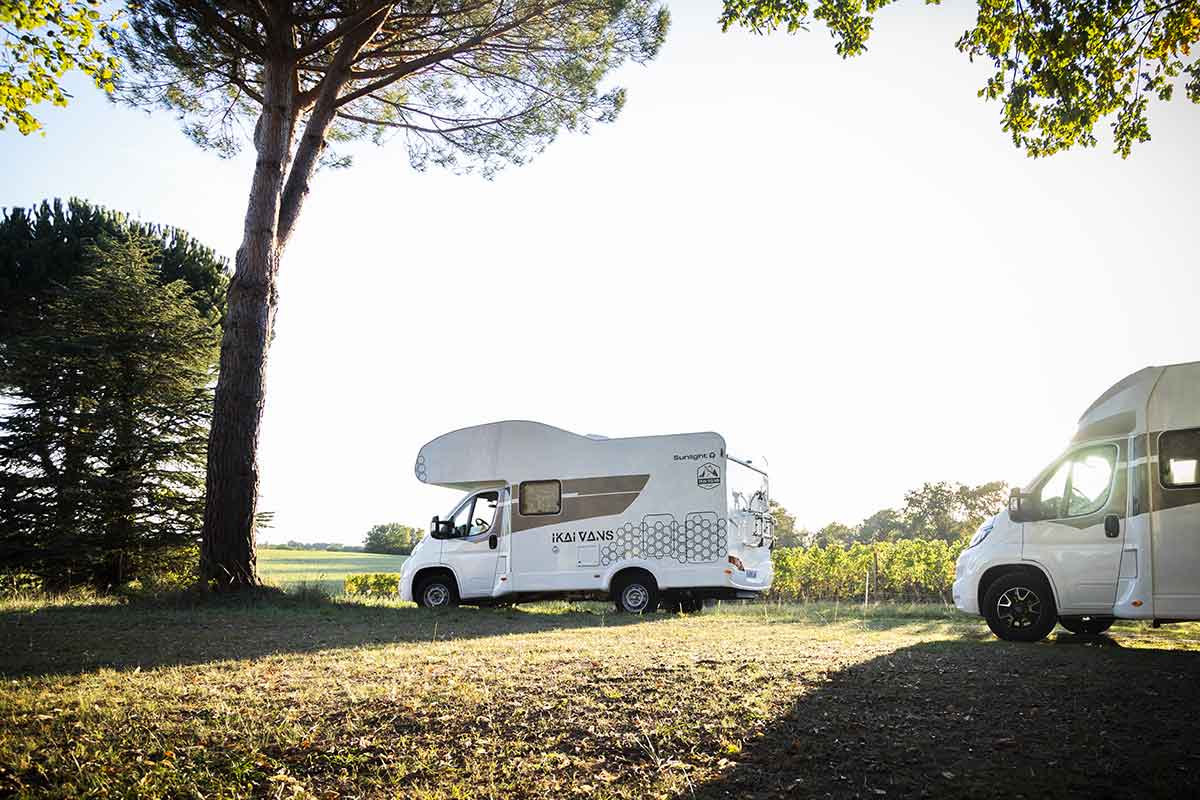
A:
[437,528]
[1112,526]
[493,541]
[1016,506]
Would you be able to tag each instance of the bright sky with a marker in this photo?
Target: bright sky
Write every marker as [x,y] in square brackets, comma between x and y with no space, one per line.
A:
[828,262]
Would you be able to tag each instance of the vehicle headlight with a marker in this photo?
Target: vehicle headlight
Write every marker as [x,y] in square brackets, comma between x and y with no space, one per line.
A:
[982,533]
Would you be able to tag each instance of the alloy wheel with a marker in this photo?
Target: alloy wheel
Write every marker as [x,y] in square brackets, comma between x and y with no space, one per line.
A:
[1019,607]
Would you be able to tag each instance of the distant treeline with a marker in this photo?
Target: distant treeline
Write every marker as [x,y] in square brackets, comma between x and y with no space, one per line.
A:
[332,547]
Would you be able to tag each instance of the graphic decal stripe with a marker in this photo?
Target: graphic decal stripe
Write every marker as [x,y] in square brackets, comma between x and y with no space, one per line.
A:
[587,498]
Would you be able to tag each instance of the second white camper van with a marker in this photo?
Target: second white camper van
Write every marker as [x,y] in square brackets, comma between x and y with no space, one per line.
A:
[1109,530]
[645,521]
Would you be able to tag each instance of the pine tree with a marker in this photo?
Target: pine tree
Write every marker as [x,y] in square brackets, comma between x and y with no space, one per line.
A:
[102,452]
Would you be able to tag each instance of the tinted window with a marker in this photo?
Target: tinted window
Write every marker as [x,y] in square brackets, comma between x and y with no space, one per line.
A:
[540,497]
[1179,458]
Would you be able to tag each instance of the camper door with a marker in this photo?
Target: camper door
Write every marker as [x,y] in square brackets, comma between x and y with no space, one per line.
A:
[1076,526]
[472,549]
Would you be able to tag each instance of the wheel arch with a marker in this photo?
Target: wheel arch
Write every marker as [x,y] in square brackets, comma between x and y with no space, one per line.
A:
[431,570]
[628,567]
[992,573]
[621,574]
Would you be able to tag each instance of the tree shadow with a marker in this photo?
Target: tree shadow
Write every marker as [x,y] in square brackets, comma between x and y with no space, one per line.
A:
[1072,717]
[69,639]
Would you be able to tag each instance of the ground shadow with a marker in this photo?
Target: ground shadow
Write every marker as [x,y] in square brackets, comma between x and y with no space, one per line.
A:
[1071,717]
[81,638]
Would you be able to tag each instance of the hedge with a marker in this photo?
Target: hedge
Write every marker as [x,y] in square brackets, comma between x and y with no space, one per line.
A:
[903,570]
[377,584]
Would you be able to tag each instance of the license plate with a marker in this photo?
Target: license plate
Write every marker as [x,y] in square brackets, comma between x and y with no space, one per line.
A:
[752,574]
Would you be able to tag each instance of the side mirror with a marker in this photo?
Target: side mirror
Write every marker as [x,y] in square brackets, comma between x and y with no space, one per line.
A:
[437,528]
[493,541]
[1017,505]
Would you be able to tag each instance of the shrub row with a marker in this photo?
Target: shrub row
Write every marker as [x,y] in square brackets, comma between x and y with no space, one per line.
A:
[378,584]
[902,570]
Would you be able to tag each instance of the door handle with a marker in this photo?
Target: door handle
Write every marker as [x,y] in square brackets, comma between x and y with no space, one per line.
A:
[493,541]
[1112,526]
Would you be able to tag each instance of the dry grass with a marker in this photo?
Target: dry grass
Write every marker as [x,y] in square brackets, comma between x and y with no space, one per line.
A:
[299,698]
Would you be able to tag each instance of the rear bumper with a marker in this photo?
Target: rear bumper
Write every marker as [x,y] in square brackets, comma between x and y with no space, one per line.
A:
[756,578]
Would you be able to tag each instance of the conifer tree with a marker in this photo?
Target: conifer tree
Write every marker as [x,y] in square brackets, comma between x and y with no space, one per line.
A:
[108,382]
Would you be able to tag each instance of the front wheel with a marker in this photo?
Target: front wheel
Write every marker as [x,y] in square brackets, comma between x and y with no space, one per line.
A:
[636,595]
[1019,607]
[1086,626]
[436,592]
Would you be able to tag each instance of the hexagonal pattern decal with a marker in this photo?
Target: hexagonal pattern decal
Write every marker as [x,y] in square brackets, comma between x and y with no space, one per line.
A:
[703,538]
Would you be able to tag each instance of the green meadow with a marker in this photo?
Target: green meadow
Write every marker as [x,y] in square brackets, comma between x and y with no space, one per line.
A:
[290,567]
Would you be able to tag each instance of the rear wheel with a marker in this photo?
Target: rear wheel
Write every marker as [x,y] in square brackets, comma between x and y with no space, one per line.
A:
[436,591]
[636,594]
[1086,626]
[1019,607]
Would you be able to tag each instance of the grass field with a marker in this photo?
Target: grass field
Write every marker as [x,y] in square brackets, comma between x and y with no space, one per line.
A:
[286,698]
[289,567]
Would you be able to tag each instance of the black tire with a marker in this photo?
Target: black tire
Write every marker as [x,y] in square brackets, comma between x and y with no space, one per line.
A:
[1091,626]
[436,592]
[636,594]
[691,605]
[1019,607]
[682,604]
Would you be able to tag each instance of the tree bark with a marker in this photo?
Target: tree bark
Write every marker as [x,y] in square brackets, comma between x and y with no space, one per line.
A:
[227,552]
[277,193]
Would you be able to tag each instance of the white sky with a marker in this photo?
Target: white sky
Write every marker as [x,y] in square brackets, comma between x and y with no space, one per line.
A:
[830,263]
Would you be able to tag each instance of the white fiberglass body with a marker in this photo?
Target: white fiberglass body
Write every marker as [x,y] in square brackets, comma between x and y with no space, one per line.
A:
[1112,527]
[546,512]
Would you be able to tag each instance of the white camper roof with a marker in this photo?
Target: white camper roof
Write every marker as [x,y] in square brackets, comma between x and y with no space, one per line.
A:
[501,453]
[1151,399]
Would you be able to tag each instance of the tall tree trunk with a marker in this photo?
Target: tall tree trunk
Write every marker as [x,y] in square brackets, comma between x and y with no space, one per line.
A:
[227,553]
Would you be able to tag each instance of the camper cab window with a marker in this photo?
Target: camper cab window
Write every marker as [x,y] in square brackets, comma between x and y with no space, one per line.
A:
[1077,486]
[1179,458]
[540,497]
[476,515]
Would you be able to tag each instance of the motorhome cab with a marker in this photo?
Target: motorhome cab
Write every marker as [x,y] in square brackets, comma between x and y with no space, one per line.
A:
[1109,530]
[645,521]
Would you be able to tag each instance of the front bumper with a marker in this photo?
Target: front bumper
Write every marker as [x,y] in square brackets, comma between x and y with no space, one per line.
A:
[967,571]
[406,592]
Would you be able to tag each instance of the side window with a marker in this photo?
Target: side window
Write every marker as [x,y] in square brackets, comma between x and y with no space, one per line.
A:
[1179,458]
[462,518]
[1050,496]
[1091,476]
[1079,485]
[484,516]
[540,497]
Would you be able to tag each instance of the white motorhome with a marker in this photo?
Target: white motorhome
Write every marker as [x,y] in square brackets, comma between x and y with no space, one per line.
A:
[1109,530]
[650,520]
